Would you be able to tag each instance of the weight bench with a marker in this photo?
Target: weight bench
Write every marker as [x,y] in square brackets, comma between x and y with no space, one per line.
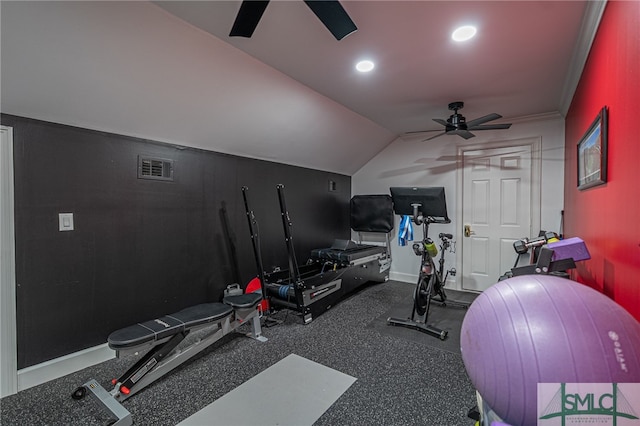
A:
[160,337]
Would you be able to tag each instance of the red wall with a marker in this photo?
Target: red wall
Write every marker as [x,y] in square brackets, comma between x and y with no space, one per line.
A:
[607,217]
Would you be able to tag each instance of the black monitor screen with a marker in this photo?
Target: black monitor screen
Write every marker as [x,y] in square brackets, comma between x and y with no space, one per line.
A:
[431,201]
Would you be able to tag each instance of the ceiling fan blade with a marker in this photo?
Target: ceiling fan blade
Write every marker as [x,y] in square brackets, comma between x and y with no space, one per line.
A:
[333,16]
[248,17]
[433,137]
[422,131]
[490,126]
[441,121]
[464,133]
[481,120]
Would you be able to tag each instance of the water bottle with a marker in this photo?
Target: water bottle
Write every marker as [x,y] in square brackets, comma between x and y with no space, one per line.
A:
[431,248]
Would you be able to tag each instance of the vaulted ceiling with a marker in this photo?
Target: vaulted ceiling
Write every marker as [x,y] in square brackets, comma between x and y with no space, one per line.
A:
[169,71]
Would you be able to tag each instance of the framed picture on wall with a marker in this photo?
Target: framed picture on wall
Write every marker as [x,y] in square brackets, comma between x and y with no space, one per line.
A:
[592,153]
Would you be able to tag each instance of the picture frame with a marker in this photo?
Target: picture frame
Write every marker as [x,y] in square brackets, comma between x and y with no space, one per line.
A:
[592,153]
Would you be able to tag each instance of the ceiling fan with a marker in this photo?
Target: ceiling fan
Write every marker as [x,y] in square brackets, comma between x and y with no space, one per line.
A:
[457,124]
[330,12]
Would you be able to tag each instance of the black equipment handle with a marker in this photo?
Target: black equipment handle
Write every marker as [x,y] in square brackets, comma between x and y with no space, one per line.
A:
[443,235]
[419,219]
[254,240]
[286,223]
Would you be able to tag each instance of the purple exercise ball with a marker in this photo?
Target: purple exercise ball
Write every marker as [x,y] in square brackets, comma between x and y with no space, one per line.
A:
[544,329]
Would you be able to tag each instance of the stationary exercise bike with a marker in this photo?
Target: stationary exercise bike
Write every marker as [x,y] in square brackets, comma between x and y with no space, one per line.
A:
[430,276]
[430,286]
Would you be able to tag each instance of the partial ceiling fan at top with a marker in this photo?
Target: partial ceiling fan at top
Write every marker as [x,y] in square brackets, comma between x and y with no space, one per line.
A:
[457,124]
[330,12]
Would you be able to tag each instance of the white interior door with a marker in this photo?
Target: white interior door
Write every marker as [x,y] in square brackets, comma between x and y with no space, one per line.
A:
[8,351]
[500,204]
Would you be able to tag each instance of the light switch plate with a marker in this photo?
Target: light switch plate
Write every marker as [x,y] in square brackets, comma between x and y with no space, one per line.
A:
[65,221]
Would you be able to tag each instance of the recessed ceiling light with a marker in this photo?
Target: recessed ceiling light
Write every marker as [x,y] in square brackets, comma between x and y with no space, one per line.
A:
[464,33]
[365,66]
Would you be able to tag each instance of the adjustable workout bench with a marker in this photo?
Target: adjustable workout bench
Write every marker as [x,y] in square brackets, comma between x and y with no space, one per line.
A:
[161,337]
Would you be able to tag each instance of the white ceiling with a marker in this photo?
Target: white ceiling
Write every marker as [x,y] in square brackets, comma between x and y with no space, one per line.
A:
[154,70]
[515,66]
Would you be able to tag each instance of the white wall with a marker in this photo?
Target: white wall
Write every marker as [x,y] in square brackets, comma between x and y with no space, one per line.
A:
[130,68]
[411,162]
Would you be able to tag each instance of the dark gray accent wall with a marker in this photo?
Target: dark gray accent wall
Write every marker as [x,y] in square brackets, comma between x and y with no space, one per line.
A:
[144,248]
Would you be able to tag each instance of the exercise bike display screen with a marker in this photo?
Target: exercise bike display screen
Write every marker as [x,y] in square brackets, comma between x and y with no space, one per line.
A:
[431,201]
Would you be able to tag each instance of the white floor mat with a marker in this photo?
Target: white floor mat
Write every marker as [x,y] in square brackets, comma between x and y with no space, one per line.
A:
[294,391]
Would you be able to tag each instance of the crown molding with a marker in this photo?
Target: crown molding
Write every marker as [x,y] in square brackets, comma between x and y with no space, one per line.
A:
[588,29]
[537,117]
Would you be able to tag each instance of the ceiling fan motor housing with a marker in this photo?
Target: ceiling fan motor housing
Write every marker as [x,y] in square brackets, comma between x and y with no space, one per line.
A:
[456,121]
[457,124]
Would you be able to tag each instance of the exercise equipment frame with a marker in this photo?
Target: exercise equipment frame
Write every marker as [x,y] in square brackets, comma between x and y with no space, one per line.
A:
[428,205]
[161,338]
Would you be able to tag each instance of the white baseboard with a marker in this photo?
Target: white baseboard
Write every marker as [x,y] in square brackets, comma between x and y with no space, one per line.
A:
[55,368]
[412,279]
[403,277]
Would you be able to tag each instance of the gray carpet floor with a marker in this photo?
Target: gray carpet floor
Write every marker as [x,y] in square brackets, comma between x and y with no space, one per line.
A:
[404,377]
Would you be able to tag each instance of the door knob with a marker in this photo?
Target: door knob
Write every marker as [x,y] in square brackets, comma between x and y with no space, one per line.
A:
[467,231]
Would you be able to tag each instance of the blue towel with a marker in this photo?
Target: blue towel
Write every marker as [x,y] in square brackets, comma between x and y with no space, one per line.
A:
[406,231]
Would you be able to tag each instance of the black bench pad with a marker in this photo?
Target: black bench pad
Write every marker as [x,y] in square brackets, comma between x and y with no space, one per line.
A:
[349,255]
[168,325]
[248,300]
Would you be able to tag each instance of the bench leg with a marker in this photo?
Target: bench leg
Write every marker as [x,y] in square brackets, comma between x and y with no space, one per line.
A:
[117,413]
[243,315]
[256,329]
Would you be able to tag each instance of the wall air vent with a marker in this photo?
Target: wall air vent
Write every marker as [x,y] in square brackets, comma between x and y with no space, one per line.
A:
[155,168]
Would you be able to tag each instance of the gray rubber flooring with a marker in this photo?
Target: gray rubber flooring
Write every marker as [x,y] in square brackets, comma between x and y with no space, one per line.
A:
[404,377]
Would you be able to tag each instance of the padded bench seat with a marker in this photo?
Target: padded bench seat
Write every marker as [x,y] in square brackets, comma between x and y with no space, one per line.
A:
[243,301]
[168,325]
